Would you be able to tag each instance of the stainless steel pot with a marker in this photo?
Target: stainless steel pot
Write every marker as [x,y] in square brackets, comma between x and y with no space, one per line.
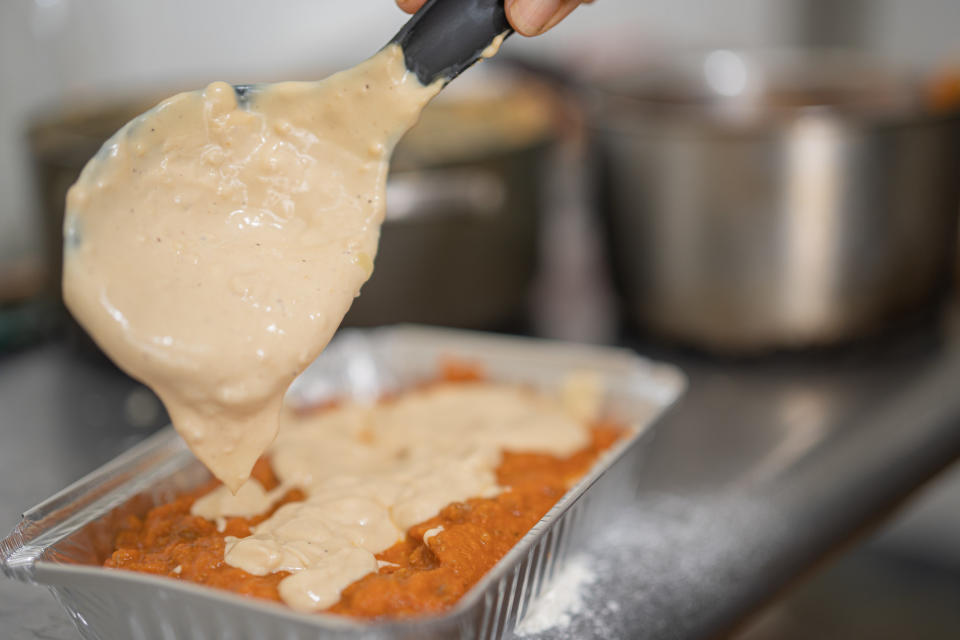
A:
[775,200]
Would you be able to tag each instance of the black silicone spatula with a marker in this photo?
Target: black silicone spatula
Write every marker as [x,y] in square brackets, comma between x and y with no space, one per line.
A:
[446,36]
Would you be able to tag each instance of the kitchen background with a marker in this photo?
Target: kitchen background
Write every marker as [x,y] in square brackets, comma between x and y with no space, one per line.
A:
[61,56]
[58,52]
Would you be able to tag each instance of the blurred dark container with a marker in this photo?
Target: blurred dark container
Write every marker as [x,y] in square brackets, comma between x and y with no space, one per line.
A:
[777,199]
[459,246]
[464,208]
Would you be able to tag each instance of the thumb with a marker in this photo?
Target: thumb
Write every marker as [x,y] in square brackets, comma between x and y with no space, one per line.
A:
[533,17]
[410,6]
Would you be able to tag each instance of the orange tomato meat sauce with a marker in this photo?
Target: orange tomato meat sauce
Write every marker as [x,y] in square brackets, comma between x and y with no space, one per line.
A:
[415,578]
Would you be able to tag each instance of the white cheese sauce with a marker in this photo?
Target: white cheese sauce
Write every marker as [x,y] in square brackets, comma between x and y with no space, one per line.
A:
[371,472]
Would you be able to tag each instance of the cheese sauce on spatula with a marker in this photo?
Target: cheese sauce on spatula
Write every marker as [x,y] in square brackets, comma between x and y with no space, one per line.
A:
[214,244]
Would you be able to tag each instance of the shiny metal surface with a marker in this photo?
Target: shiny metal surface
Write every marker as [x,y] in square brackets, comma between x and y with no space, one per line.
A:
[759,202]
[764,467]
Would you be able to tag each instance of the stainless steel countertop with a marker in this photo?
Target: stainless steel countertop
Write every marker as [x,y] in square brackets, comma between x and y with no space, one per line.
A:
[763,468]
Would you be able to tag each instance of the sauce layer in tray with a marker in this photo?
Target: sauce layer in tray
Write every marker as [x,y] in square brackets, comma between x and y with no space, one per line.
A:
[436,562]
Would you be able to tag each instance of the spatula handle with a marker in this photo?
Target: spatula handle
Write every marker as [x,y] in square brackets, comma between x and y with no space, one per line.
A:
[446,36]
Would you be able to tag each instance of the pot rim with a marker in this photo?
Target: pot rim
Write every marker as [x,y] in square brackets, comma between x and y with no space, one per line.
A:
[743,89]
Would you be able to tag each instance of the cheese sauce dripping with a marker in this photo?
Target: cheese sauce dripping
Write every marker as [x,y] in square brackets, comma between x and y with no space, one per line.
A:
[213,245]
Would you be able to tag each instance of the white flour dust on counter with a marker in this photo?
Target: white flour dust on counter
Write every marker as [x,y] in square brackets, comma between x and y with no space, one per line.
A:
[565,600]
[578,604]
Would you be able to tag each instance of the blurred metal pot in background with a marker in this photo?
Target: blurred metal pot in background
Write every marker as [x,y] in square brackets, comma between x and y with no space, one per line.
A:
[782,199]
[464,207]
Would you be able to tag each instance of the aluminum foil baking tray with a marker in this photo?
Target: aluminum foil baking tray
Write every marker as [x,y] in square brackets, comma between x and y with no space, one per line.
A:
[63,541]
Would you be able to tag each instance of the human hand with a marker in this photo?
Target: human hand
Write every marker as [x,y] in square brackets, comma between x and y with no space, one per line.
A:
[528,17]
